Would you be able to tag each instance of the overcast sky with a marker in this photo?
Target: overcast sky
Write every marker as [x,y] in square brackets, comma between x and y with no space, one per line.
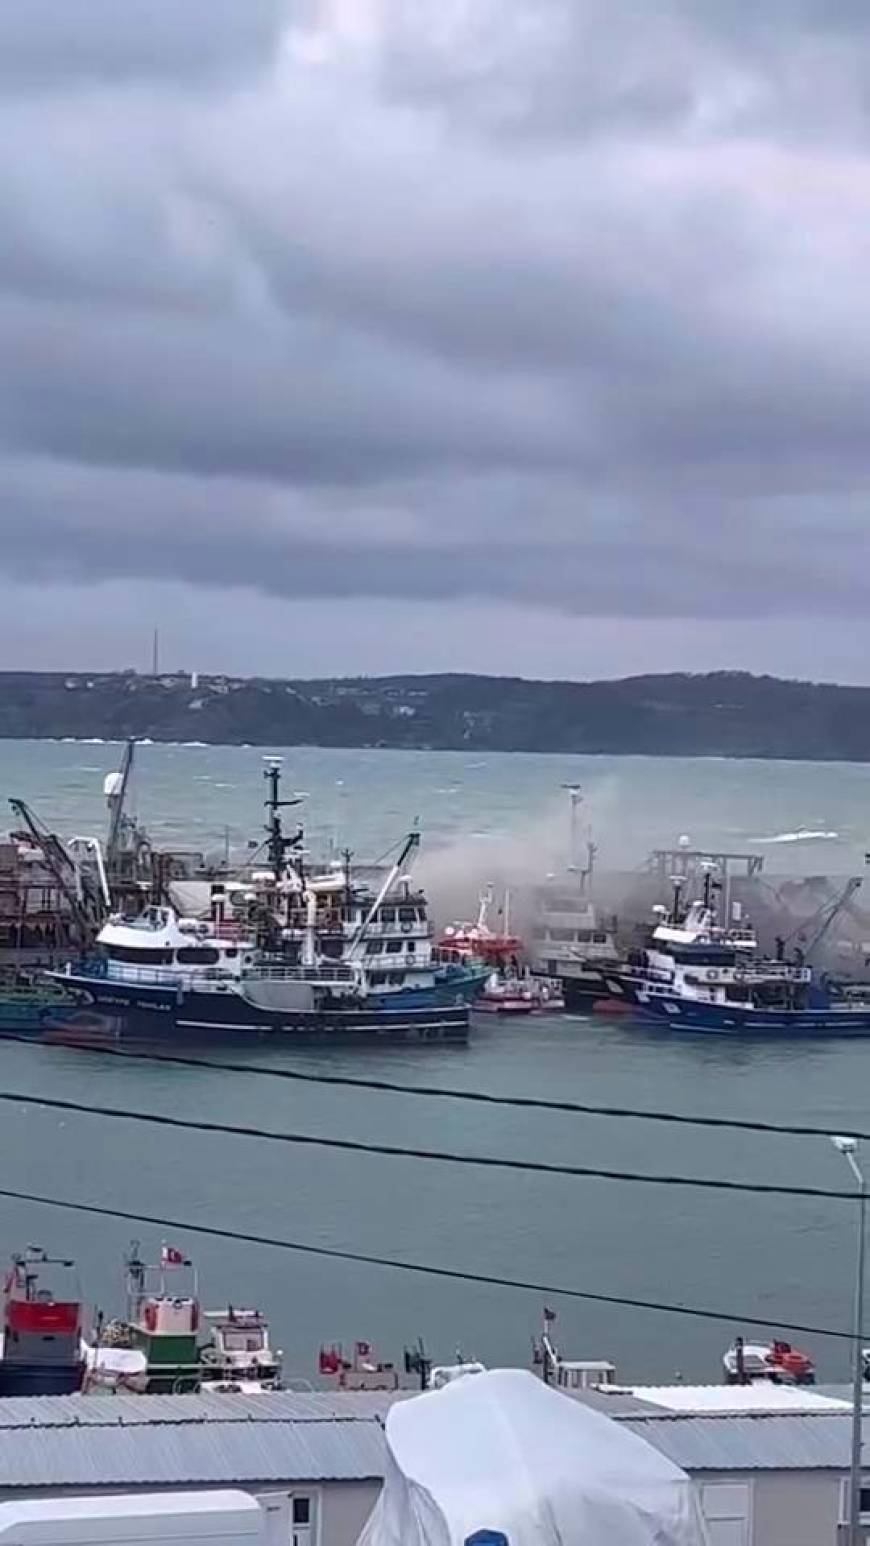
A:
[376,335]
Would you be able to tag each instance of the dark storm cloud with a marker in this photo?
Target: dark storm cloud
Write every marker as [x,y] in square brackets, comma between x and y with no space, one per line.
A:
[558,301]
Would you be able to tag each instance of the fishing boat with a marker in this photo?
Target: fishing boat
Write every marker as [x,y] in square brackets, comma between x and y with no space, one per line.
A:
[683,934]
[773,1363]
[42,1327]
[159,975]
[361,1370]
[282,953]
[477,944]
[238,1358]
[568,1374]
[754,1001]
[507,988]
[701,976]
[161,1323]
[573,944]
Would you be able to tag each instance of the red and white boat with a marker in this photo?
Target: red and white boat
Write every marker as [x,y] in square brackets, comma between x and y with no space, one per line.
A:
[508,990]
[775,1363]
[476,943]
[41,1327]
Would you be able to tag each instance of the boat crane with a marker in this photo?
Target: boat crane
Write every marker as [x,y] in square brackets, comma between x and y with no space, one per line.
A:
[409,848]
[116,787]
[87,903]
[825,918]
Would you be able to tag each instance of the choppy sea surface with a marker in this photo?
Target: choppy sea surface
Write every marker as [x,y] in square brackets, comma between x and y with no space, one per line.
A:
[784,1259]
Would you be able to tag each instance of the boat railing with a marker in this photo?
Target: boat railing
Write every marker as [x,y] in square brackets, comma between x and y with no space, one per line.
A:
[158,976]
[779,971]
[278,973]
[171,977]
[298,928]
[753,972]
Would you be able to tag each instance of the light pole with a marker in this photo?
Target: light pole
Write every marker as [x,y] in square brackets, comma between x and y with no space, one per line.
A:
[848,1147]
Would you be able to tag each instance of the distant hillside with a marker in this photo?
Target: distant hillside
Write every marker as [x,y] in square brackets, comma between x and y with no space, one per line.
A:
[727,714]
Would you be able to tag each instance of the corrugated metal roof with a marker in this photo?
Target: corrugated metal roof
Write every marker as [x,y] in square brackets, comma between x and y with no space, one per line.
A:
[277,1406]
[210,1454]
[106,1441]
[817,1441]
[739,1398]
[116,1441]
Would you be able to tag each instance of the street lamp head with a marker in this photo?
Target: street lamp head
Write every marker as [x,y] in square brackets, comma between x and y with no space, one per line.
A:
[845,1144]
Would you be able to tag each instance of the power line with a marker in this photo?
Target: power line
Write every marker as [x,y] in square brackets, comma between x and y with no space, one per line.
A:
[402,1151]
[437,1092]
[423,1269]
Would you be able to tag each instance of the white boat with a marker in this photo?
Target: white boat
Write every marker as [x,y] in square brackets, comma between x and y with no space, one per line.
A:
[511,995]
[774,1363]
[239,1357]
[690,951]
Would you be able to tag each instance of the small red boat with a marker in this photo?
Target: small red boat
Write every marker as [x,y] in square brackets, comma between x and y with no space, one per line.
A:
[777,1362]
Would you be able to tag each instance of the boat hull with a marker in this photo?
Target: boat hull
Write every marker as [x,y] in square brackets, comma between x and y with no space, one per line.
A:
[40,1379]
[678,1014]
[462,987]
[113,1010]
[504,1006]
[579,991]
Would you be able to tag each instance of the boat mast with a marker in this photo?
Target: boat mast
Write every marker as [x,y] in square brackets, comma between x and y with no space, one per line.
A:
[136,1271]
[279,845]
[576,798]
[346,856]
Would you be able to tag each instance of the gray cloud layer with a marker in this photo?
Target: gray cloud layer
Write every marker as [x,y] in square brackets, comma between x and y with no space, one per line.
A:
[553,301]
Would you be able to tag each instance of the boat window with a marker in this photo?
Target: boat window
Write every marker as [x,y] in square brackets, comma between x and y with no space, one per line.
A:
[397,978]
[411,945]
[243,1341]
[231,953]
[138,956]
[393,945]
[376,978]
[198,955]
[599,939]
[387,915]
[407,915]
[374,947]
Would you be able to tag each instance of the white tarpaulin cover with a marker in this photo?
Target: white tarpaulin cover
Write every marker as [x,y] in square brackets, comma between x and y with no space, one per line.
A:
[504,1453]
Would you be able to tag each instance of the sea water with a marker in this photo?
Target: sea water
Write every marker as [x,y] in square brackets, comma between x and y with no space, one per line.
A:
[783,1259]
